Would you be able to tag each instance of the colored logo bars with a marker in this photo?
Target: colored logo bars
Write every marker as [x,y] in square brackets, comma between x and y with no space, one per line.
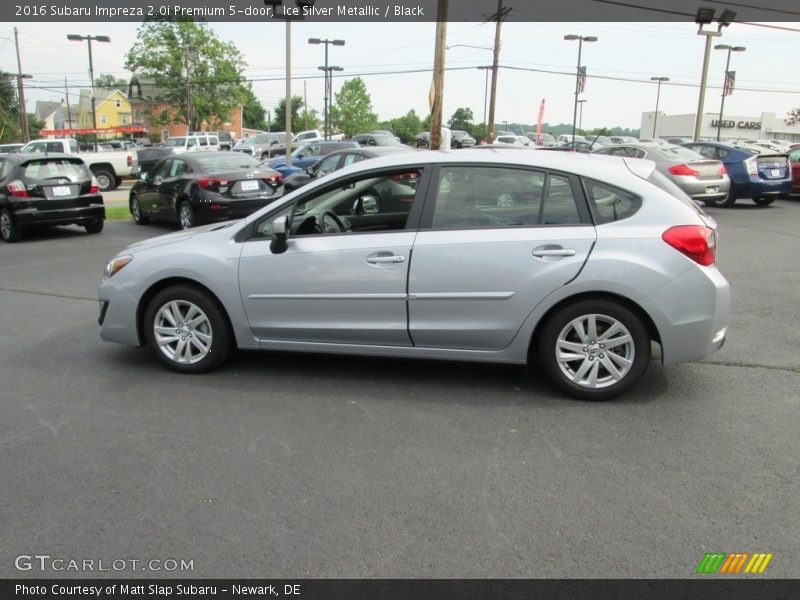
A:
[734,563]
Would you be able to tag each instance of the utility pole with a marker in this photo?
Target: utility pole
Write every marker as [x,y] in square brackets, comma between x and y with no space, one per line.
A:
[305,105]
[498,18]
[69,110]
[437,100]
[188,93]
[23,112]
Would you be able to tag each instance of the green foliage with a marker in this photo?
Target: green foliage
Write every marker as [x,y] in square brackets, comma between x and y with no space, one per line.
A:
[253,113]
[279,120]
[405,127]
[109,81]
[351,112]
[793,117]
[176,55]
[9,110]
[479,132]
[35,125]
[461,119]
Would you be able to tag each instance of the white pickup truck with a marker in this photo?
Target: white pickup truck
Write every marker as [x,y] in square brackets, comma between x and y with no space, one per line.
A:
[108,167]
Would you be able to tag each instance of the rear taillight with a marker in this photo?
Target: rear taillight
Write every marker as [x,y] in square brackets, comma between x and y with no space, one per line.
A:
[274,179]
[95,187]
[211,183]
[751,166]
[683,170]
[17,189]
[695,241]
[722,171]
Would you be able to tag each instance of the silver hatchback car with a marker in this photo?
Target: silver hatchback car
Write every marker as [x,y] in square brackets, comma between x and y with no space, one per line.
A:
[475,255]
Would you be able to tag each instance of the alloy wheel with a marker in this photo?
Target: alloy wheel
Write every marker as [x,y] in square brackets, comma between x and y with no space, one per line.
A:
[183,332]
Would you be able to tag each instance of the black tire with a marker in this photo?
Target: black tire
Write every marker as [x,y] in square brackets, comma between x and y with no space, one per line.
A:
[186,216]
[730,199]
[136,211]
[94,226]
[764,200]
[592,354]
[106,180]
[9,231]
[717,201]
[214,329]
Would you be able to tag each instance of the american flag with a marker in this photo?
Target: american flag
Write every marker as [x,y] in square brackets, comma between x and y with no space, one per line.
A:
[730,81]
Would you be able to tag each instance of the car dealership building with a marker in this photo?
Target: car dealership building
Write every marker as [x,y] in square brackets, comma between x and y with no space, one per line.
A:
[733,127]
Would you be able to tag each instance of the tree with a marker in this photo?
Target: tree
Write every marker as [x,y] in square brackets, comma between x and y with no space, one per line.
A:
[351,112]
[9,110]
[461,119]
[279,120]
[793,116]
[179,56]
[109,81]
[35,125]
[406,127]
[253,112]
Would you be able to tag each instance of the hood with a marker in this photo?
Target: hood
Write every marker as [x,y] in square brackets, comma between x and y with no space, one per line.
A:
[178,236]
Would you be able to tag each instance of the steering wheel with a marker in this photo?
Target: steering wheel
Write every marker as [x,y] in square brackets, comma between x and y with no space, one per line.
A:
[324,225]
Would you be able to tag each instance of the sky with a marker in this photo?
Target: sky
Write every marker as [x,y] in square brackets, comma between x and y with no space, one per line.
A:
[624,51]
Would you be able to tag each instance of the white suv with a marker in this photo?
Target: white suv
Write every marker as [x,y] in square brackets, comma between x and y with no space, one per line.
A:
[197,142]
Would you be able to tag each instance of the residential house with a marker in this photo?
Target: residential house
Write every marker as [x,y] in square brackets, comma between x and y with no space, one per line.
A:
[112,107]
[57,115]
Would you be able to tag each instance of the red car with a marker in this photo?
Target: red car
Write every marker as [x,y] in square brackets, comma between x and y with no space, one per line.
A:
[794,159]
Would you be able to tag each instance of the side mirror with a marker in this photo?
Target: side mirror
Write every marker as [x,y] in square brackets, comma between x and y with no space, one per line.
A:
[144,175]
[301,155]
[366,205]
[310,171]
[280,235]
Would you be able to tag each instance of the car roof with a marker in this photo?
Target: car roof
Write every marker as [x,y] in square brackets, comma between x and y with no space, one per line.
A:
[583,164]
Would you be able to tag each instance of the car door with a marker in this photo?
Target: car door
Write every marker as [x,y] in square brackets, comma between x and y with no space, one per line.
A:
[492,245]
[340,288]
[171,187]
[149,193]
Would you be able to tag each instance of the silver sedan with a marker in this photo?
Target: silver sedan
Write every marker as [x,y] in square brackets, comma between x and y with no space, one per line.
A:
[702,179]
[494,256]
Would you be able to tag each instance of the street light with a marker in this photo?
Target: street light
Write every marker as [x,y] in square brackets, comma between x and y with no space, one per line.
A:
[580,117]
[660,80]
[725,88]
[581,38]
[328,79]
[486,75]
[705,16]
[89,38]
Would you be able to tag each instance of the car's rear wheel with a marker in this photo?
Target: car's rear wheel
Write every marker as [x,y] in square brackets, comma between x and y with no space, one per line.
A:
[106,180]
[186,330]
[764,200]
[594,349]
[186,215]
[9,231]
[94,226]
[136,210]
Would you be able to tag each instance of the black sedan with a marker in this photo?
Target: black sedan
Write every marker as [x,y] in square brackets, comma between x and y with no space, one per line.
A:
[203,187]
[43,190]
[337,160]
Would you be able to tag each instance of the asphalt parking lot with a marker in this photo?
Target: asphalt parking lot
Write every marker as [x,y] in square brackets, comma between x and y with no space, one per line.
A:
[315,466]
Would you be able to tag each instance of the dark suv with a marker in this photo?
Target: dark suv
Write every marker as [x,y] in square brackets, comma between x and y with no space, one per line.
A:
[47,189]
[461,139]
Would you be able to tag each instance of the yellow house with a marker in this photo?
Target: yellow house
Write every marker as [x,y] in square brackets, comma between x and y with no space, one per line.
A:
[112,107]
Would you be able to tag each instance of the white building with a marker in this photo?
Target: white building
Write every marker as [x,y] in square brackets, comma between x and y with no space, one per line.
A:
[733,127]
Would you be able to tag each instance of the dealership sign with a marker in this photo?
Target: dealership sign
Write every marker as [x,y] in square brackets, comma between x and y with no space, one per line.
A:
[739,125]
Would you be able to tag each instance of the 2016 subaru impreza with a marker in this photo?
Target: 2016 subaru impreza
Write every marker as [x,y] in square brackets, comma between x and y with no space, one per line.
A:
[478,255]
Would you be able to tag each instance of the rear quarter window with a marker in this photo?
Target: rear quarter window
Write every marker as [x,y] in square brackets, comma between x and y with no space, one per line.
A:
[609,203]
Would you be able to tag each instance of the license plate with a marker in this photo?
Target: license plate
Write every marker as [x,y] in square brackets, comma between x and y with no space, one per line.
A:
[249,186]
[61,190]
[712,190]
[775,172]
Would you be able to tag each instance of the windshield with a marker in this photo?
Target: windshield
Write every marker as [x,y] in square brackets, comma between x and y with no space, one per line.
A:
[385,140]
[226,162]
[176,141]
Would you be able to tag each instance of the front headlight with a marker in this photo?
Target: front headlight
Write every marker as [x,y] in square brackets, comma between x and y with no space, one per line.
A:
[115,264]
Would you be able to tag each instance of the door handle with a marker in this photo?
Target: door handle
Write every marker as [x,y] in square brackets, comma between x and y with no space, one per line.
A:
[551,252]
[378,260]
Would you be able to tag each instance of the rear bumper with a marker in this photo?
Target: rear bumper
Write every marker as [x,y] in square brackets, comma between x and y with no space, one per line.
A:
[692,314]
[32,217]
[759,187]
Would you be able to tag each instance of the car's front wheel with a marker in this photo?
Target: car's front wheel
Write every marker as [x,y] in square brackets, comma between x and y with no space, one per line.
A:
[136,211]
[186,330]
[594,349]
